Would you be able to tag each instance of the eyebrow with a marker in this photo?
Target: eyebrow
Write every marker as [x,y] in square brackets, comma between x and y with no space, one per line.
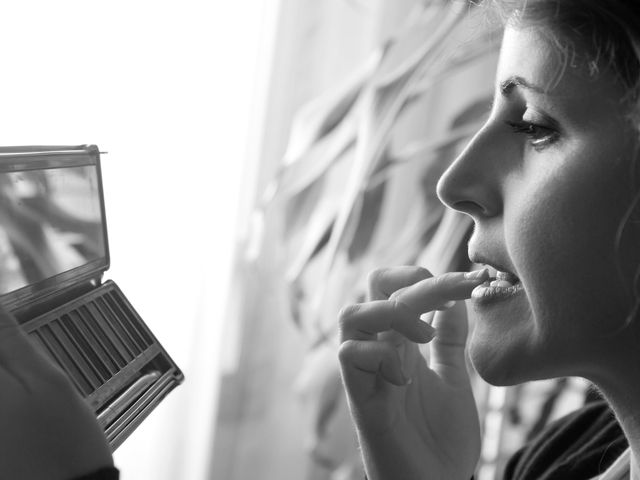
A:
[507,86]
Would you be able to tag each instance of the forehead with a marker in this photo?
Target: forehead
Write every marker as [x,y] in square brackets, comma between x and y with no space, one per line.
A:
[530,55]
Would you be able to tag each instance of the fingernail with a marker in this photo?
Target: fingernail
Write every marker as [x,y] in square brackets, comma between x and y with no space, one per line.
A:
[481,274]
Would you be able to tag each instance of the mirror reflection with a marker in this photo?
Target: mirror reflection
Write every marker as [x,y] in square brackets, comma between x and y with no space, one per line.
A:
[50,222]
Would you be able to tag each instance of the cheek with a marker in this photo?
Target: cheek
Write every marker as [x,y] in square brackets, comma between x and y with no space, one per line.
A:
[562,241]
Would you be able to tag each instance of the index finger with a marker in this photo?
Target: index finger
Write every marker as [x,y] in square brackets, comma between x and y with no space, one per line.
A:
[431,293]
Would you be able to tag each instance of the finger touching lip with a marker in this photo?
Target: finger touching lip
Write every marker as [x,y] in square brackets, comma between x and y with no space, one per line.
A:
[435,292]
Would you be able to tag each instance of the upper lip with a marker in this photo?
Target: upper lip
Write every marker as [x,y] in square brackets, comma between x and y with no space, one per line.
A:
[477,257]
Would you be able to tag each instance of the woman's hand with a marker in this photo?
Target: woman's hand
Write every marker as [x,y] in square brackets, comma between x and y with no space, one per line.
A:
[47,431]
[414,420]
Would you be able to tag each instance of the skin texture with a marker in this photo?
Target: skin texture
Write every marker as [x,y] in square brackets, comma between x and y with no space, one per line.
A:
[546,181]
[429,425]
[546,205]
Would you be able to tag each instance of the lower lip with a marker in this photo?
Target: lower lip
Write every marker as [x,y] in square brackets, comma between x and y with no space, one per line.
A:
[485,294]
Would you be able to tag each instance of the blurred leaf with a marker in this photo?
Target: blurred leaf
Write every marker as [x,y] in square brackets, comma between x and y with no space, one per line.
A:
[415,41]
[365,226]
[444,245]
[351,201]
[317,218]
[427,150]
[316,238]
[321,131]
[465,55]
[442,149]
[321,116]
[405,247]
[298,208]
[382,107]
[297,176]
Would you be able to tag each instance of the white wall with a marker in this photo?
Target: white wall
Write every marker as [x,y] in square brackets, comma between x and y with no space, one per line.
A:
[167,88]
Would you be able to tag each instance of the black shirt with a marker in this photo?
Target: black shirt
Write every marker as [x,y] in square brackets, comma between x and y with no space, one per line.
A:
[106,473]
[578,446]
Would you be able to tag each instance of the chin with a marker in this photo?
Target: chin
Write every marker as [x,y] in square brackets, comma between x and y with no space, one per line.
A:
[505,346]
[502,361]
[492,368]
[506,361]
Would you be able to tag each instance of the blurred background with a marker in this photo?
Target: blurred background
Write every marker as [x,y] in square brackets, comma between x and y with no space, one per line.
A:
[263,156]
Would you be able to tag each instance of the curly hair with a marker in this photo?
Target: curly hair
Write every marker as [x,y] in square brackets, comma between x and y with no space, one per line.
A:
[606,31]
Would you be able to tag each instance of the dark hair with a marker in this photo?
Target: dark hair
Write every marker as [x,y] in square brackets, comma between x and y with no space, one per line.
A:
[600,34]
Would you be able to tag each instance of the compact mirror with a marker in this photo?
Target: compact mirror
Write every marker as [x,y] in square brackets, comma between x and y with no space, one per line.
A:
[51,222]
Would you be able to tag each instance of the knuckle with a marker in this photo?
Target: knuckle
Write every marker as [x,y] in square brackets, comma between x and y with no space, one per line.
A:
[397,306]
[403,315]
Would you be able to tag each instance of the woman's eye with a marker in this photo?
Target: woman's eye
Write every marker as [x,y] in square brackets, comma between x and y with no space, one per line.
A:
[537,135]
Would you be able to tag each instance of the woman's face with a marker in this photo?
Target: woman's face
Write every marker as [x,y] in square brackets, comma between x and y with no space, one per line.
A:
[546,181]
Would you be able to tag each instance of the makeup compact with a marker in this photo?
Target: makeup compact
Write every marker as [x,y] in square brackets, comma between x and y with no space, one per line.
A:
[53,255]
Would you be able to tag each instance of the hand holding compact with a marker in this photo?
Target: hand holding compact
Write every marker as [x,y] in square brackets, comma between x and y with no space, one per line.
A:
[414,420]
[47,430]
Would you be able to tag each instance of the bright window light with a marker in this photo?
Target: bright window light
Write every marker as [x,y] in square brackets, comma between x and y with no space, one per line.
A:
[170,90]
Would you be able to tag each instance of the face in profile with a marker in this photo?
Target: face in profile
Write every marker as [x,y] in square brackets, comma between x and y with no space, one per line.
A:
[547,183]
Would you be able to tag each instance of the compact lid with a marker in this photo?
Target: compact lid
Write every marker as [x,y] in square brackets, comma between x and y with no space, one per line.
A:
[52,222]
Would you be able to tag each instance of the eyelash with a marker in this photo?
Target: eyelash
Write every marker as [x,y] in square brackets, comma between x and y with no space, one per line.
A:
[537,135]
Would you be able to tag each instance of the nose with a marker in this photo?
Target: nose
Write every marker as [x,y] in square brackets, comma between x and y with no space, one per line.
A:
[471,184]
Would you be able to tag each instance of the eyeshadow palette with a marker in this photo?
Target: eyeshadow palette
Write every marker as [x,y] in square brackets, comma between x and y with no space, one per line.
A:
[53,256]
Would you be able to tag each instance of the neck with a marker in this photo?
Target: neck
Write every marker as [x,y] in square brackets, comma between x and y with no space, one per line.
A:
[623,394]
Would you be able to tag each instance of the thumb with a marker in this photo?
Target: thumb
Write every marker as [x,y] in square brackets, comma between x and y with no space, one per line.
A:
[448,357]
[15,347]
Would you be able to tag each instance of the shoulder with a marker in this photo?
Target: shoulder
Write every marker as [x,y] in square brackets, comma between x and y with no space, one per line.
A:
[580,445]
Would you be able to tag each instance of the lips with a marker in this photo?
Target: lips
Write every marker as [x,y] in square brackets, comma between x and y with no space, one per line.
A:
[497,270]
[504,279]
[501,285]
